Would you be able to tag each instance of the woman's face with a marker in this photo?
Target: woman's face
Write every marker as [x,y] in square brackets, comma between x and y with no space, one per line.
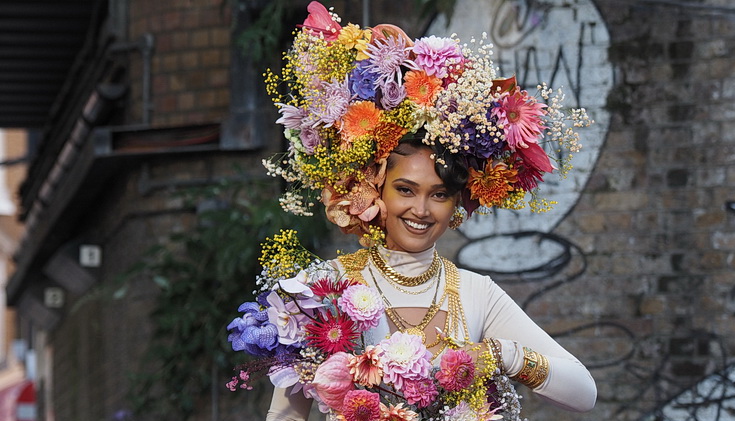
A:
[417,203]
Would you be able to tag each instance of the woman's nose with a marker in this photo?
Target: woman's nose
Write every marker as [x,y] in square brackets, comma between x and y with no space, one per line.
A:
[420,209]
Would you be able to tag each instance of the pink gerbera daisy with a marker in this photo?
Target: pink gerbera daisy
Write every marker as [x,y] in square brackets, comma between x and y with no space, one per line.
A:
[361,405]
[521,117]
[331,333]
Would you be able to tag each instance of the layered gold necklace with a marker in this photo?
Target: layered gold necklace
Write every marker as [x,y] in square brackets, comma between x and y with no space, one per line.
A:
[407,281]
[455,312]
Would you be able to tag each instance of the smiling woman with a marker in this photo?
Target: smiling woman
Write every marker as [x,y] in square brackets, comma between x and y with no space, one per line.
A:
[418,204]
[411,138]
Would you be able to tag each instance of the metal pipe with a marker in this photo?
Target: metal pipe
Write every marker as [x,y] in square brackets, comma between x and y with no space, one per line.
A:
[145,45]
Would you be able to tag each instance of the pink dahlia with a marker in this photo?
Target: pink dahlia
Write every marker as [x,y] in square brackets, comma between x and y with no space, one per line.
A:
[521,117]
[421,392]
[363,304]
[457,370]
[397,413]
[404,358]
[366,368]
[434,55]
[361,405]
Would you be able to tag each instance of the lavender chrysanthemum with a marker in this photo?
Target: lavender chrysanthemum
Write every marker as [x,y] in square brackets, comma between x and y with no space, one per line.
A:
[387,57]
[291,117]
[332,102]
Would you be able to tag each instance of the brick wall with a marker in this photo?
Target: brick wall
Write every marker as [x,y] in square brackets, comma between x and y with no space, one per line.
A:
[646,298]
[651,223]
[191,60]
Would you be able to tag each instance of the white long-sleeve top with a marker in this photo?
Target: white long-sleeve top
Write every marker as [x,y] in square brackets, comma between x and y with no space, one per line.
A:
[490,313]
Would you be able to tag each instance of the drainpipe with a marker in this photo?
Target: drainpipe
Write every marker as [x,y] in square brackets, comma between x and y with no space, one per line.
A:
[144,45]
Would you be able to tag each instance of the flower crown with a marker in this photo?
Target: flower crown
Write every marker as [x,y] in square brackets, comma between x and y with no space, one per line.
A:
[352,94]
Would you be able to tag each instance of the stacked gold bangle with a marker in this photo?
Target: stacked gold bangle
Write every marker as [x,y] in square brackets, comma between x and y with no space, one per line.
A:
[535,369]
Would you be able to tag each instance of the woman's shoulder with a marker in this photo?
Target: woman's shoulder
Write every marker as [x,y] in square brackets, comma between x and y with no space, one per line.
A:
[475,281]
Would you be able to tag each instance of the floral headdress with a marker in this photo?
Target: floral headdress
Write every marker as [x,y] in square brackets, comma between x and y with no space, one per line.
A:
[352,94]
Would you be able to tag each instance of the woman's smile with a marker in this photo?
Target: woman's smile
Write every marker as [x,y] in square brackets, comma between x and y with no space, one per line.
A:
[418,206]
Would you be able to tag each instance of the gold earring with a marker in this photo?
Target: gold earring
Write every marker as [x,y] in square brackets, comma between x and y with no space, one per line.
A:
[457,218]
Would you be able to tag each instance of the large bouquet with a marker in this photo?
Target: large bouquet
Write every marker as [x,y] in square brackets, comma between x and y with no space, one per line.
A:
[347,95]
[306,329]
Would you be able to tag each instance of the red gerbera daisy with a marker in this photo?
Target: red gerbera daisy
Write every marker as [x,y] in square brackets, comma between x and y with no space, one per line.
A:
[330,289]
[332,333]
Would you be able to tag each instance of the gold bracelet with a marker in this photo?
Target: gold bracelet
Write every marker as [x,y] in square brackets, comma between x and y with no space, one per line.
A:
[535,369]
[493,345]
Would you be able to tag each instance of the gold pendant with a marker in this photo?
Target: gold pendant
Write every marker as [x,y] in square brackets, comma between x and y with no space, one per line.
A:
[418,332]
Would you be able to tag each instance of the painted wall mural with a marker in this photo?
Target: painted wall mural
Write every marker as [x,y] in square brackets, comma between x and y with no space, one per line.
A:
[565,45]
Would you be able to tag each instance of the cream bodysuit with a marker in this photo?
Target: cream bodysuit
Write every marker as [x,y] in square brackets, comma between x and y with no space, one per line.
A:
[489,313]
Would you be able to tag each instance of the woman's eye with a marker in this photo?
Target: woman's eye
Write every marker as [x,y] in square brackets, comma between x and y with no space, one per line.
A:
[441,195]
[403,190]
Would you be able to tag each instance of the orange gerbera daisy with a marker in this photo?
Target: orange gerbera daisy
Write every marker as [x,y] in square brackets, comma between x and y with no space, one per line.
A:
[361,119]
[491,186]
[387,136]
[421,88]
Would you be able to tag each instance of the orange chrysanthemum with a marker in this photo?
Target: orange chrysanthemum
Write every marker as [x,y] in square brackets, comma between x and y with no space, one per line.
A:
[360,119]
[387,136]
[491,186]
[421,88]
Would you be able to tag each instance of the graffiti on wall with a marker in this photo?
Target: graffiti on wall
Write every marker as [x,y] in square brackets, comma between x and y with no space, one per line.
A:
[564,45]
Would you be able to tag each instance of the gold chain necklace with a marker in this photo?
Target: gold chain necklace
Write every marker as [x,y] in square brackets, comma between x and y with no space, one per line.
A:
[403,280]
[429,285]
[402,323]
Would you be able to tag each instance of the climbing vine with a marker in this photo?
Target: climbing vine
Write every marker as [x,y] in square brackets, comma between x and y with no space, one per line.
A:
[203,274]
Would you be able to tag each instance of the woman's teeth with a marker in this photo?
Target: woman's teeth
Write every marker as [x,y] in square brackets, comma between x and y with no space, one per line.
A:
[416,225]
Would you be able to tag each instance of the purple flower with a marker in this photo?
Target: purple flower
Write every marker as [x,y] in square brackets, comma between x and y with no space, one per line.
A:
[482,143]
[310,138]
[291,117]
[362,81]
[252,332]
[387,57]
[331,102]
[392,94]
[288,319]
[434,55]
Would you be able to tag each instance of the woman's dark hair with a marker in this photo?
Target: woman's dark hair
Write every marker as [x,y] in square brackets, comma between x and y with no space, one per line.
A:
[453,172]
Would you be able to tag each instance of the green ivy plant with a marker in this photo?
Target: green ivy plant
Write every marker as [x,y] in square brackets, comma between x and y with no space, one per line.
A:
[203,275]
